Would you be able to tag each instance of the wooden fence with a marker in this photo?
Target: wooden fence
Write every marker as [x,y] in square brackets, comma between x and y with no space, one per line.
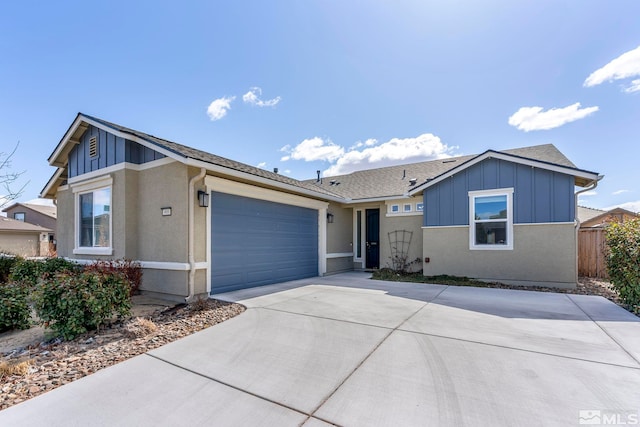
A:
[591,260]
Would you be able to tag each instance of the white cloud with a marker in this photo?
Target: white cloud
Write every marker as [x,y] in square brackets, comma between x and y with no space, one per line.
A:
[287,171]
[253,97]
[219,107]
[615,193]
[588,193]
[395,151]
[630,206]
[534,118]
[262,165]
[313,149]
[624,66]
[633,87]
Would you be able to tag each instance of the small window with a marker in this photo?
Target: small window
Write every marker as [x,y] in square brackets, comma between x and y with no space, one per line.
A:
[19,216]
[419,207]
[395,208]
[95,219]
[93,146]
[491,219]
[407,207]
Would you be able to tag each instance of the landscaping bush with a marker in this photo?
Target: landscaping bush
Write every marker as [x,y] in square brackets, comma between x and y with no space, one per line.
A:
[51,266]
[6,264]
[131,270]
[26,271]
[14,308]
[623,260]
[74,303]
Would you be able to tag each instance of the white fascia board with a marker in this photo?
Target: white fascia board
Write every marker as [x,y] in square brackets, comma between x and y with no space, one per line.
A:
[506,157]
[134,138]
[65,139]
[52,181]
[260,180]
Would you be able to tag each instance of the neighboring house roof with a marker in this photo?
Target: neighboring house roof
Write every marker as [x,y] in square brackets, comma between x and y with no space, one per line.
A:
[10,224]
[585,213]
[370,184]
[603,217]
[50,211]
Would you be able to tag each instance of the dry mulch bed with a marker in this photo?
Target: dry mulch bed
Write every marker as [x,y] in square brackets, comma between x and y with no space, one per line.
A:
[28,372]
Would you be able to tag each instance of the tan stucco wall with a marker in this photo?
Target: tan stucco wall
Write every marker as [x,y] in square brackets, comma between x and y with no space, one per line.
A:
[65,223]
[340,232]
[390,224]
[338,265]
[163,238]
[543,254]
[23,244]
[140,232]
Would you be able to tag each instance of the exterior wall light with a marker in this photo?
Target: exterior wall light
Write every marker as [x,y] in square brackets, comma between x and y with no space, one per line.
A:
[203,199]
[330,218]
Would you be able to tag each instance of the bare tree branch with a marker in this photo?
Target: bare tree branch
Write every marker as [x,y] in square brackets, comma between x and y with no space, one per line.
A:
[9,178]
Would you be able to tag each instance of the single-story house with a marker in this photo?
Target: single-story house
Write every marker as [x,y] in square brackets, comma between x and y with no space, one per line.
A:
[42,215]
[200,223]
[24,239]
[598,218]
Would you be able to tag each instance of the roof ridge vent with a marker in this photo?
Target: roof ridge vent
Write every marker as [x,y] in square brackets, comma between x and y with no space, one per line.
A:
[413,181]
[449,161]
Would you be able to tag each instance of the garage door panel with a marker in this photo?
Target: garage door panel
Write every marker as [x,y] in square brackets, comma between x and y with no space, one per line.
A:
[256,242]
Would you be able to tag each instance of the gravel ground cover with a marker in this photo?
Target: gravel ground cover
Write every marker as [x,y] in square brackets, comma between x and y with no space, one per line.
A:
[26,372]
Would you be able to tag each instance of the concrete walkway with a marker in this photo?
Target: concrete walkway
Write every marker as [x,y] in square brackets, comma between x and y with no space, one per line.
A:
[349,351]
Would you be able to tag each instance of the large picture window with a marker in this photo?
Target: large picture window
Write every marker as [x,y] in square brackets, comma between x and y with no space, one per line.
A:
[491,219]
[95,219]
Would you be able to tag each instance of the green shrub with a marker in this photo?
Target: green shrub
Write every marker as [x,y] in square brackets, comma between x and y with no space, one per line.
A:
[132,270]
[51,266]
[26,271]
[6,264]
[30,271]
[14,308]
[73,303]
[623,260]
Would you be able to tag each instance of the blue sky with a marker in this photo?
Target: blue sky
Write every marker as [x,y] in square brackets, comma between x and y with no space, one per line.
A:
[331,85]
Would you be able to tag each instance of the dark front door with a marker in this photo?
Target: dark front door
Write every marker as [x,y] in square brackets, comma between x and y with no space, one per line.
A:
[373,238]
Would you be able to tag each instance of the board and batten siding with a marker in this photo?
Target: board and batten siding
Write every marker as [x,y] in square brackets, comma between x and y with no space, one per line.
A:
[111,150]
[540,195]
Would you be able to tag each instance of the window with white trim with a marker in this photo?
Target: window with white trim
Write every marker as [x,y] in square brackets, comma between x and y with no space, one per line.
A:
[491,219]
[407,207]
[420,207]
[395,208]
[19,216]
[95,219]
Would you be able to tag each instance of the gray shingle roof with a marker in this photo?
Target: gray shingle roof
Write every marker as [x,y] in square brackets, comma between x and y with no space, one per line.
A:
[384,182]
[9,224]
[43,209]
[389,181]
[193,153]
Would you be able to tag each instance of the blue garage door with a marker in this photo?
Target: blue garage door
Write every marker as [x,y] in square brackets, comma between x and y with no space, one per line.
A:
[255,242]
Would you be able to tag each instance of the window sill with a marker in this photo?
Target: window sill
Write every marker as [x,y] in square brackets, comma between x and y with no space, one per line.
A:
[492,248]
[93,251]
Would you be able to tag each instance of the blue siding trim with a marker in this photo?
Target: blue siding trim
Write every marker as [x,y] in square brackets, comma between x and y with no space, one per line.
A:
[112,150]
[540,195]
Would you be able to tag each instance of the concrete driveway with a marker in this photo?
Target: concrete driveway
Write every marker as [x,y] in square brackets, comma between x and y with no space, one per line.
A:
[349,351]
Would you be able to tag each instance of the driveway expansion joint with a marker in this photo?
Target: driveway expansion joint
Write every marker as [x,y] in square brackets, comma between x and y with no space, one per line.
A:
[227,384]
[603,330]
